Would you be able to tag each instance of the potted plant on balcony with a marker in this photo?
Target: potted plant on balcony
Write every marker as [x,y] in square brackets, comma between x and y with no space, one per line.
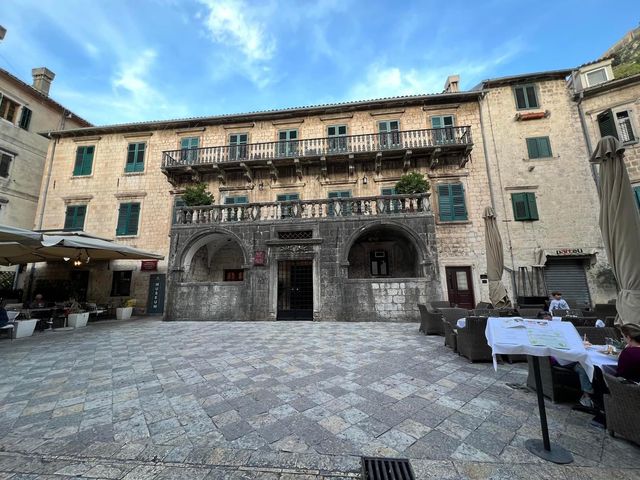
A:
[197,195]
[124,312]
[77,317]
[411,184]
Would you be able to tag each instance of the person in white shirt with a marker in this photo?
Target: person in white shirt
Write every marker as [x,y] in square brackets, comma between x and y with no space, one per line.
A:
[558,303]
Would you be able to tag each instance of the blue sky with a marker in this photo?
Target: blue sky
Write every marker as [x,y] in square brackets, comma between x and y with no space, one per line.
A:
[135,60]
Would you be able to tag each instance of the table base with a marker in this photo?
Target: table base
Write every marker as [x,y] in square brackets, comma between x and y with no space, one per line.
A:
[555,454]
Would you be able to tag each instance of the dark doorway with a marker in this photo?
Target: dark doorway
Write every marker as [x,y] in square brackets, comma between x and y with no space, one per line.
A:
[460,287]
[80,284]
[295,290]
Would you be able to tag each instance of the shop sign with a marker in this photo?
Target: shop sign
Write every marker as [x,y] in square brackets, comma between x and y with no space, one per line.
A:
[149,265]
[569,251]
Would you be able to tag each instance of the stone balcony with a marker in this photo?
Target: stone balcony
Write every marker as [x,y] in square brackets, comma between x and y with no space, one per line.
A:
[323,209]
[433,146]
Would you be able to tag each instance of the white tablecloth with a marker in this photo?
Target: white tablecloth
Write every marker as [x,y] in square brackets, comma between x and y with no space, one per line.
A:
[600,359]
[575,352]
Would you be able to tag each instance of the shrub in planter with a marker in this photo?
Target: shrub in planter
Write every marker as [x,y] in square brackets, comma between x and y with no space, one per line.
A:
[411,183]
[197,195]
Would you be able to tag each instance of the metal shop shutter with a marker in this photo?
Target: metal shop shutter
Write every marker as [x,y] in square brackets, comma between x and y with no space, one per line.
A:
[568,276]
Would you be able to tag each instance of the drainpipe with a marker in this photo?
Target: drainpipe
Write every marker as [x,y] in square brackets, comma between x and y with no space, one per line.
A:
[587,140]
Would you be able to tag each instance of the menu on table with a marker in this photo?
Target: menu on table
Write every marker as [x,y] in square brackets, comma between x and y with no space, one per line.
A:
[536,333]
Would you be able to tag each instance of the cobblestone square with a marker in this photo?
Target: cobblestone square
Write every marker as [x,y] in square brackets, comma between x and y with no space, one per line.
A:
[275,400]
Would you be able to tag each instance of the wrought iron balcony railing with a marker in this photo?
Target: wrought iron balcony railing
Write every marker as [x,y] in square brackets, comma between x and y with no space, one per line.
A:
[430,138]
[301,209]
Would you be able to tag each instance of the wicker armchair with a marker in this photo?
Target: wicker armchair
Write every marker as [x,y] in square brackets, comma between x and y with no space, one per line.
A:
[430,321]
[621,406]
[435,304]
[450,317]
[530,312]
[598,336]
[472,342]
[486,312]
[558,383]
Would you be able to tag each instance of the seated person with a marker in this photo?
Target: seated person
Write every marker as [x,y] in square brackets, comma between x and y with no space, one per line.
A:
[629,359]
[38,302]
[558,303]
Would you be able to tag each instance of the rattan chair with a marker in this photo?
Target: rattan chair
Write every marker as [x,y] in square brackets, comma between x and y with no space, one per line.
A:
[450,317]
[598,336]
[430,321]
[530,312]
[439,304]
[486,312]
[621,407]
[558,383]
[472,341]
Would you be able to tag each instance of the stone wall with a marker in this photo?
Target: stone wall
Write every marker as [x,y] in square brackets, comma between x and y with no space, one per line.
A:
[563,185]
[334,296]
[385,300]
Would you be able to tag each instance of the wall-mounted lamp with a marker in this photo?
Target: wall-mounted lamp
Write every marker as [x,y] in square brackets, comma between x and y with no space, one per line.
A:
[365,180]
[261,186]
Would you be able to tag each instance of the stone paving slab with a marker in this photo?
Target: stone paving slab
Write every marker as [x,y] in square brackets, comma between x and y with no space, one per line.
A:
[147,399]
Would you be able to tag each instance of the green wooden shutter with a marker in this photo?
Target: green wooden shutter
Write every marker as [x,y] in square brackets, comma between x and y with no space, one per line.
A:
[383,127]
[532,147]
[25,118]
[135,157]
[389,191]
[84,161]
[533,207]
[189,142]
[544,147]
[532,100]
[458,203]
[436,122]
[445,205]
[521,102]
[286,197]
[74,217]
[520,206]
[128,217]
[606,124]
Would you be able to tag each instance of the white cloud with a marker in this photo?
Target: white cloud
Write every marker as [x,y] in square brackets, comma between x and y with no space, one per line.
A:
[382,80]
[232,23]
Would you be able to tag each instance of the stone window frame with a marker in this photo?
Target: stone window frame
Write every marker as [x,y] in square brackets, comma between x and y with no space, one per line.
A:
[6,154]
[16,111]
[524,86]
[632,120]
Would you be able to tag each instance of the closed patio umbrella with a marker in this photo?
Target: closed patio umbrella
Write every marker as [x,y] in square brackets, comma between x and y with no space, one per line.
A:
[620,226]
[495,260]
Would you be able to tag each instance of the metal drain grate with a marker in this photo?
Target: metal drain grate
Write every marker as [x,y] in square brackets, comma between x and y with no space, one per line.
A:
[378,468]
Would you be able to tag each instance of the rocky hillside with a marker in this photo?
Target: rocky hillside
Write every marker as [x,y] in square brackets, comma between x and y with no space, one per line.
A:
[626,54]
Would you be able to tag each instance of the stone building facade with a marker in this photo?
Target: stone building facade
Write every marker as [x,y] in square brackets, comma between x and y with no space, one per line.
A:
[305,221]
[26,113]
[543,188]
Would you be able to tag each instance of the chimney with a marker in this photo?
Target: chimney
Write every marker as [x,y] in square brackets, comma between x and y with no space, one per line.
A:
[452,84]
[42,78]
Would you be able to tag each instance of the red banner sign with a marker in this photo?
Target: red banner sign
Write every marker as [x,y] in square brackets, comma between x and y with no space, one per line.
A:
[259,258]
[148,265]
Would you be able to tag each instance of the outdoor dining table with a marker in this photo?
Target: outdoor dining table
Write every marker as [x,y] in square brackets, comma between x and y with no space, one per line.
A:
[539,338]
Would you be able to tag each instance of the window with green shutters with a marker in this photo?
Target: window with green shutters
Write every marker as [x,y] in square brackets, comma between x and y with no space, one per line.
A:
[238,146]
[233,213]
[74,217]
[451,204]
[25,118]
[128,218]
[607,124]
[346,208]
[287,210]
[389,133]
[337,137]
[524,206]
[288,143]
[84,160]
[444,128]
[189,146]
[135,157]
[526,97]
[636,191]
[539,147]
[390,206]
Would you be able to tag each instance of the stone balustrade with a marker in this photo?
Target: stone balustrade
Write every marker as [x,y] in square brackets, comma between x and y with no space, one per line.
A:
[333,208]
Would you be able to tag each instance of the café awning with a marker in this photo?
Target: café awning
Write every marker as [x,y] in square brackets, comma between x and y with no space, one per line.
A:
[66,246]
